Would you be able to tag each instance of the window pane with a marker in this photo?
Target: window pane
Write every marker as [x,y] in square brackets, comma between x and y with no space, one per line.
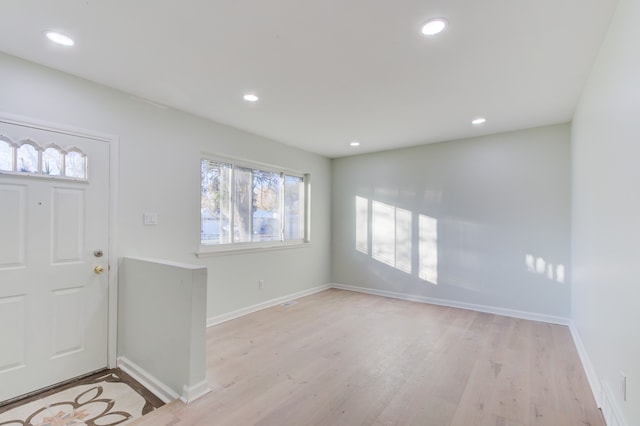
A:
[6,156]
[215,203]
[243,206]
[293,208]
[27,159]
[52,162]
[75,165]
[266,202]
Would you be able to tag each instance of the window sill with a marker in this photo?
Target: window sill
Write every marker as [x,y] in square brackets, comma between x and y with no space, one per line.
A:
[219,251]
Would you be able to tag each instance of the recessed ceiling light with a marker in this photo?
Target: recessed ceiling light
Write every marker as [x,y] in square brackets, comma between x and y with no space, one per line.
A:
[354,143]
[250,97]
[434,26]
[478,121]
[59,38]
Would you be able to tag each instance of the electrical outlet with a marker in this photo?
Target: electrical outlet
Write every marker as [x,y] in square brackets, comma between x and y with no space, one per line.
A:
[260,284]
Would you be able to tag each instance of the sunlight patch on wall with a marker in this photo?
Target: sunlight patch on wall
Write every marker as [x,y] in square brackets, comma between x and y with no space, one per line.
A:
[362,225]
[391,236]
[538,265]
[403,240]
[393,241]
[383,236]
[428,248]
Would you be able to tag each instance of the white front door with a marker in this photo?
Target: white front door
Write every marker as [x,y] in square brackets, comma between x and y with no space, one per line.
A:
[54,233]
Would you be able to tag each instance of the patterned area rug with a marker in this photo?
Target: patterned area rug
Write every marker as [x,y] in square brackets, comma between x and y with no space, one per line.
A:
[98,401]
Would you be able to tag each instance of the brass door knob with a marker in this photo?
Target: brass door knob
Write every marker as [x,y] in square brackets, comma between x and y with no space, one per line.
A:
[98,269]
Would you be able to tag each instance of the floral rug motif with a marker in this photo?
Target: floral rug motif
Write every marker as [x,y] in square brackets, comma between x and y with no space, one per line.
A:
[105,401]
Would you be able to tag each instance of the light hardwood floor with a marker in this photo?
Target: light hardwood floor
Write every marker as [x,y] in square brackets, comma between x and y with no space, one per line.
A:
[344,358]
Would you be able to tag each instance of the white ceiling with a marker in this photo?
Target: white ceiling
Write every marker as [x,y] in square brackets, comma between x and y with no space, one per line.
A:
[328,71]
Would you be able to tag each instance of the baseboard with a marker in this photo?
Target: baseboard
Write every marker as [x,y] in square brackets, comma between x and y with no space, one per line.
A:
[191,393]
[264,305]
[610,410]
[154,385]
[461,305]
[601,394]
[594,383]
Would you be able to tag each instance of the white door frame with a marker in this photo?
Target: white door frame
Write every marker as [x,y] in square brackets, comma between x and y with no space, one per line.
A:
[114,145]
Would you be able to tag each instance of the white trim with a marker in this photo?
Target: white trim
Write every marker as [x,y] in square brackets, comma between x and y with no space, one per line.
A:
[114,147]
[586,364]
[601,395]
[244,248]
[154,385]
[231,247]
[601,392]
[114,190]
[54,127]
[461,305]
[250,164]
[191,393]
[264,305]
[46,177]
[163,262]
[307,208]
[610,410]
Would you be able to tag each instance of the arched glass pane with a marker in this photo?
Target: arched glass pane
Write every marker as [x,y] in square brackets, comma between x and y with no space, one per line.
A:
[6,156]
[52,162]
[27,159]
[75,165]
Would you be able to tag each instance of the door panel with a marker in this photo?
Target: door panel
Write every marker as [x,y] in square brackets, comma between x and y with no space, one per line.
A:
[12,217]
[12,328]
[53,305]
[68,225]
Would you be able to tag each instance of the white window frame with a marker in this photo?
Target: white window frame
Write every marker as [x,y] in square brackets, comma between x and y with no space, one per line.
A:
[206,250]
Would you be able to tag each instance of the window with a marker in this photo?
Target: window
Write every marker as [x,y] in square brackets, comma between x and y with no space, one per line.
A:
[242,205]
[30,158]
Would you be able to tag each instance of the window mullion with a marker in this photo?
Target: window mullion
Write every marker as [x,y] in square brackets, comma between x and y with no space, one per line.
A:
[232,202]
[253,205]
[282,207]
[307,208]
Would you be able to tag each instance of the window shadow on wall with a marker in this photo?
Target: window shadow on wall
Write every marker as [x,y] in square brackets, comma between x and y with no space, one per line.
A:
[409,242]
[386,233]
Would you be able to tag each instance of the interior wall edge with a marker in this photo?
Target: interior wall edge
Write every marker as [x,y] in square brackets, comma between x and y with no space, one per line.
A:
[592,377]
[147,380]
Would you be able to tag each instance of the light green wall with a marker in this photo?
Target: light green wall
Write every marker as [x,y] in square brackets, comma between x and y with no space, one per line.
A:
[160,172]
[497,200]
[606,212]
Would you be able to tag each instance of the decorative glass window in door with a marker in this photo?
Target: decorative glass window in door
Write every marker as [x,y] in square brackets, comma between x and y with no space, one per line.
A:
[28,157]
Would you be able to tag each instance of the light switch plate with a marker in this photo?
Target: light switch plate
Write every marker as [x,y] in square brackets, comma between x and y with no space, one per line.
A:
[150,218]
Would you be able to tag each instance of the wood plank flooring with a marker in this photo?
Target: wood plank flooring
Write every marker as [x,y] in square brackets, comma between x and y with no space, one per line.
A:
[344,358]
